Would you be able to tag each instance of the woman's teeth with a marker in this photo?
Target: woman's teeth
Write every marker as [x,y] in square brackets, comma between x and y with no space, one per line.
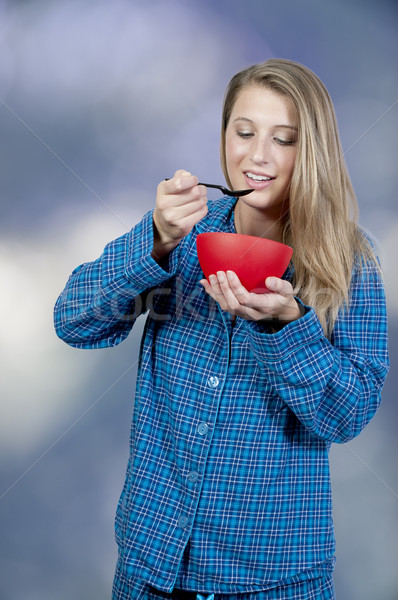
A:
[258,177]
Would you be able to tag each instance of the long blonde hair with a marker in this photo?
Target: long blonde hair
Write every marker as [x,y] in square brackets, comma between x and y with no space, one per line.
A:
[321,224]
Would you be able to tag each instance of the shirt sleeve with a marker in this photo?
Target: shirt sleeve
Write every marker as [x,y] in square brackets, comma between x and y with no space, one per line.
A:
[102,299]
[333,386]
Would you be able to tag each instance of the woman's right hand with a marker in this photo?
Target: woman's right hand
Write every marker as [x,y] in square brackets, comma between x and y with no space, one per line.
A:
[180,204]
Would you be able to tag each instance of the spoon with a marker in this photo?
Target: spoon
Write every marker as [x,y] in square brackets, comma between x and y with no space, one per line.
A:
[226,191]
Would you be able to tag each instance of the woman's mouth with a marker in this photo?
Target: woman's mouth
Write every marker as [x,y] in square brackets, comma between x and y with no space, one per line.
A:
[257,180]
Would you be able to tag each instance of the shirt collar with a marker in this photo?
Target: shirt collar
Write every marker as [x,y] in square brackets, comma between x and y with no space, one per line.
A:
[220,218]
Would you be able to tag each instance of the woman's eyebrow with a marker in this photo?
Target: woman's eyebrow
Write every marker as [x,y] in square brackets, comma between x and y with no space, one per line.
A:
[293,127]
[242,119]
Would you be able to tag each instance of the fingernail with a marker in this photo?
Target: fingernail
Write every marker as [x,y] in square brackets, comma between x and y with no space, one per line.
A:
[212,279]
[220,276]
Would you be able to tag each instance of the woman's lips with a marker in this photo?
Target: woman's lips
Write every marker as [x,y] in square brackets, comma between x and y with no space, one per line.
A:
[258,181]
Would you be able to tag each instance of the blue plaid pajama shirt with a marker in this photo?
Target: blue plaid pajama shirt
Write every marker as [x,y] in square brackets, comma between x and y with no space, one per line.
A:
[227,488]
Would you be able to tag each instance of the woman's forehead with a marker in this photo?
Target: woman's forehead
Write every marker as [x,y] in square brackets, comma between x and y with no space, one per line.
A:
[260,103]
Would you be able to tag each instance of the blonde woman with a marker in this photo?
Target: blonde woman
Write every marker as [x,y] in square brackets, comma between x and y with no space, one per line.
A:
[240,395]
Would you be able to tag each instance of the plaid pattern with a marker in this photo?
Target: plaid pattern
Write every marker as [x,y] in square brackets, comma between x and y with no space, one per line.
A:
[227,488]
[321,588]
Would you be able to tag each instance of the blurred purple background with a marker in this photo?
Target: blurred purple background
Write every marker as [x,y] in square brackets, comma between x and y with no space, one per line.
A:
[99,101]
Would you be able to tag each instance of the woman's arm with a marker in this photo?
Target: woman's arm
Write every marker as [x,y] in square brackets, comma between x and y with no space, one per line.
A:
[102,299]
[333,387]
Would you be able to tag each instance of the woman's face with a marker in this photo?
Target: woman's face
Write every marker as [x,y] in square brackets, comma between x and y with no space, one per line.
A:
[261,146]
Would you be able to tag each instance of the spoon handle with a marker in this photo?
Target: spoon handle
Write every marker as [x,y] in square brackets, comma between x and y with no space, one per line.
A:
[209,185]
[213,185]
[224,190]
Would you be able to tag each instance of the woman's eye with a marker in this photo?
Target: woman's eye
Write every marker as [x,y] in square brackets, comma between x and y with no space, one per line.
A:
[244,134]
[284,142]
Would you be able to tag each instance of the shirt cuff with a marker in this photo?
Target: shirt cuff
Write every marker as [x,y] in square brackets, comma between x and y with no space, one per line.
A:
[272,346]
[141,268]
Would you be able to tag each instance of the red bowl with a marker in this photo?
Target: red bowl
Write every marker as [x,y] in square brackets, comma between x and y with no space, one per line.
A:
[252,258]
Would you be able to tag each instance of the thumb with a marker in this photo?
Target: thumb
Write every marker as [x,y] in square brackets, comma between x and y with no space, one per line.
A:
[279,286]
[272,283]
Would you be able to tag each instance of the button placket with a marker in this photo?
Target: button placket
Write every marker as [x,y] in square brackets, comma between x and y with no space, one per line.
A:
[203,429]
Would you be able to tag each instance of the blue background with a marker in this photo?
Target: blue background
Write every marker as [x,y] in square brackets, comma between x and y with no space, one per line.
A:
[99,101]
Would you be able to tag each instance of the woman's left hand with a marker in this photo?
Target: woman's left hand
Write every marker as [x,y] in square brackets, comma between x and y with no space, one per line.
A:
[227,290]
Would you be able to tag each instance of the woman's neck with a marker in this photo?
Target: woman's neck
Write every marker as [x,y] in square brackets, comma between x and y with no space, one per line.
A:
[251,221]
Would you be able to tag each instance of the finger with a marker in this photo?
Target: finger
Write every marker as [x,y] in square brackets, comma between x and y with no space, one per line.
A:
[247,299]
[191,200]
[168,184]
[181,207]
[231,298]
[253,306]
[257,306]
[237,287]
[182,181]
[207,287]
[217,291]
[215,285]
[237,298]
[279,286]
[188,218]
[174,198]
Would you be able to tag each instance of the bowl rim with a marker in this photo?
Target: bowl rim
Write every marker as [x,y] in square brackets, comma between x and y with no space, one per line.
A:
[242,235]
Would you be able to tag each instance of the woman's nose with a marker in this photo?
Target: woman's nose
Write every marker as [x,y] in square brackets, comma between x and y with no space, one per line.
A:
[260,151]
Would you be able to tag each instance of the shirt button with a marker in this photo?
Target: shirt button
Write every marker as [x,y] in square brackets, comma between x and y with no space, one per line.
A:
[213,382]
[182,521]
[193,476]
[203,428]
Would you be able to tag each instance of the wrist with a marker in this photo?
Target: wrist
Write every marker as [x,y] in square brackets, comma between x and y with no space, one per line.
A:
[296,311]
[162,244]
[278,323]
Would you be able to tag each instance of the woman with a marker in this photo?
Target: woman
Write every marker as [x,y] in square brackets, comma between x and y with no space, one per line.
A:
[240,395]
